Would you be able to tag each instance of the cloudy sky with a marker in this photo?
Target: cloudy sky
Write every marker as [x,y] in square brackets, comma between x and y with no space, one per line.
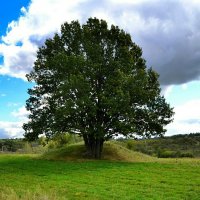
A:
[167,30]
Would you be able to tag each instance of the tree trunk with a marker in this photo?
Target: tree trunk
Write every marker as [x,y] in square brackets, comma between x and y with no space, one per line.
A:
[94,146]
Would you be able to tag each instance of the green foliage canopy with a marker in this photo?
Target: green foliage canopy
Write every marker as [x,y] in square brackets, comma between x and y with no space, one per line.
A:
[91,80]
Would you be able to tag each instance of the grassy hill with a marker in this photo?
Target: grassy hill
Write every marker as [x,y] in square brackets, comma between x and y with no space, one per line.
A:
[111,151]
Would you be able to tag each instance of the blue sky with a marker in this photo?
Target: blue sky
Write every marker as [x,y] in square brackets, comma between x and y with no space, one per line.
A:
[10,10]
[168,32]
[13,94]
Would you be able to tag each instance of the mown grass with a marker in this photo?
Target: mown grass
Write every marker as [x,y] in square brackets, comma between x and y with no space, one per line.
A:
[33,177]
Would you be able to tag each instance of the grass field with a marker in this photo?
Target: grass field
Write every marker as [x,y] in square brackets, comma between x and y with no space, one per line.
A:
[31,177]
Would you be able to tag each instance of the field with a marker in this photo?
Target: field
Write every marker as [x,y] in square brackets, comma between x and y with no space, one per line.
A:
[33,177]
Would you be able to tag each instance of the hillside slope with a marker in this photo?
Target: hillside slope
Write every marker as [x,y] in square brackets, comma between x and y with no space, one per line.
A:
[111,151]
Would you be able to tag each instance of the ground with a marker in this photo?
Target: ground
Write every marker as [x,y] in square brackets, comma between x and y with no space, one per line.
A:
[129,175]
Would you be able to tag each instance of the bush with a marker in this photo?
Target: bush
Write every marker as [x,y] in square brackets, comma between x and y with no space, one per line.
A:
[62,139]
[52,144]
[130,144]
[173,154]
[167,154]
[27,148]
[187,154]
[42,141]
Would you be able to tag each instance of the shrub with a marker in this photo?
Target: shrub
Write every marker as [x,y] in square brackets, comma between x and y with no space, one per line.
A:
[166,154]
[130,144]
[51,144]
[42,141]
[186,154]
[62,139]
[27,148]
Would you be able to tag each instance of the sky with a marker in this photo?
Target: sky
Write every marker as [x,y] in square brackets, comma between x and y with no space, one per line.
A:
[168,31]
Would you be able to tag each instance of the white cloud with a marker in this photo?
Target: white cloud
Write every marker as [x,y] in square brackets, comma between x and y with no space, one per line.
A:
[184,86]
[127,1]
[167,31]
[21,114]
[14,129]
[40,21]
[166,91]
[186,119]
[13,104]
[18,60]
[11,129]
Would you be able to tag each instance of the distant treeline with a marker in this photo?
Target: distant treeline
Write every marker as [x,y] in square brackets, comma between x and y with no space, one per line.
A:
[23,146]
[191,135]
[11,144]
[187,145]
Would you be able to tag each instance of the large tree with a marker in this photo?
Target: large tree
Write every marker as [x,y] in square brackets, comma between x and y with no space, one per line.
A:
[91,80]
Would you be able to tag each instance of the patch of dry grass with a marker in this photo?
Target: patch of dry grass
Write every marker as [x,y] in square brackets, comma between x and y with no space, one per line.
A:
[117,152]
[38,194]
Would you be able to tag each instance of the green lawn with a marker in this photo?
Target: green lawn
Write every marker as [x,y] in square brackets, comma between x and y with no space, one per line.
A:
[27,177]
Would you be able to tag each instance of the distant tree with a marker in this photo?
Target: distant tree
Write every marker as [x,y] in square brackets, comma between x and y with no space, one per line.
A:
[62,139]
[42,141]
[91,80]
[11,144]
